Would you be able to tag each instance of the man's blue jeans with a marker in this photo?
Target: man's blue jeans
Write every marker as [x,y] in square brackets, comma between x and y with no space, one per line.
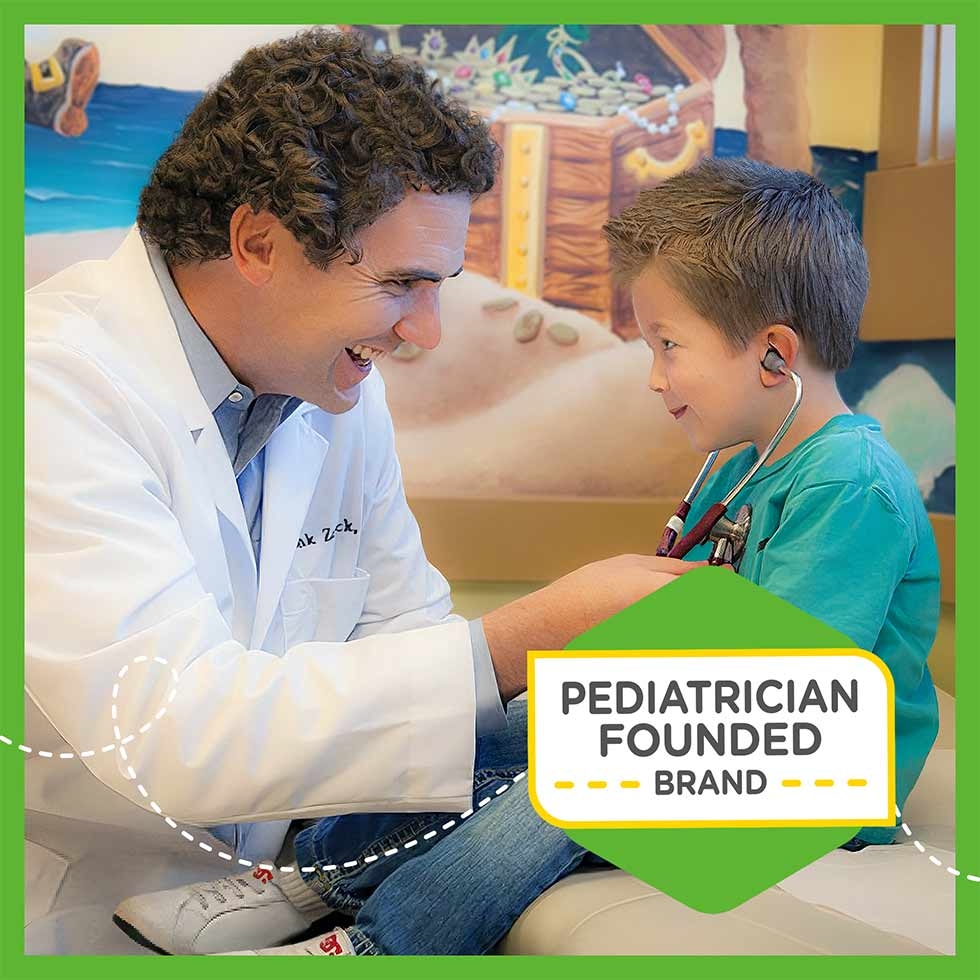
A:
[455,891]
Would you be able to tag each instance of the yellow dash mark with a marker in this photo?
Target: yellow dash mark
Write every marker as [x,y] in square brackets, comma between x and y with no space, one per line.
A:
[791,782]
[564,785]
[597,784]
[823,782]
[630,784]
[857,782]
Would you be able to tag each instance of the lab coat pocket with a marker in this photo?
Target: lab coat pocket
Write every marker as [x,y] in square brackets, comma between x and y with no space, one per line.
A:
[323,608]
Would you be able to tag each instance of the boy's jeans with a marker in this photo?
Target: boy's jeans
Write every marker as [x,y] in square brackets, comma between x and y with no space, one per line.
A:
[459,891]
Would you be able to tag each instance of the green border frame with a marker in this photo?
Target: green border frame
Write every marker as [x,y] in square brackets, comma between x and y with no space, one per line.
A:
[14,14]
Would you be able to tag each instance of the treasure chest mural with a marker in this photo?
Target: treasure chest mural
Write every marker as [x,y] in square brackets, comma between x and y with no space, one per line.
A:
[537,388]
[586,117]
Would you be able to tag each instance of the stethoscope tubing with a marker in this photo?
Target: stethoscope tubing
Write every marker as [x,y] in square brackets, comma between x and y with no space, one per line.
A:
[699,533]
[773,442]
[675,526]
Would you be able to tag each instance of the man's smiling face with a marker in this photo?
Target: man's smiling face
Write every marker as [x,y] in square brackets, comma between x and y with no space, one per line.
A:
[320,330]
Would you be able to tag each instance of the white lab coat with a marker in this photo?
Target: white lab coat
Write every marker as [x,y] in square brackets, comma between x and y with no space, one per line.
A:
[332,679]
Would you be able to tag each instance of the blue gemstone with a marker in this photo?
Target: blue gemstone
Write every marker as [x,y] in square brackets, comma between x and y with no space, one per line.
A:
[567,101]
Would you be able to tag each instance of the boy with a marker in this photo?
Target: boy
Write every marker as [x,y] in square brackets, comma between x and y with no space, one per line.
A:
[727,262]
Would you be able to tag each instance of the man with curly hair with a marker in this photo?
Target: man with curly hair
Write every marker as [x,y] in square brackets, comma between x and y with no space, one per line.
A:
[216,524]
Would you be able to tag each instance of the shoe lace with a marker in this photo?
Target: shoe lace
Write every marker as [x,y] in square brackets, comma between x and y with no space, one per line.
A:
[221,886]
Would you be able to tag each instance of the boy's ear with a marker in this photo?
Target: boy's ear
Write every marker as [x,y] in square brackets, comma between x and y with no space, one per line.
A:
[786,342]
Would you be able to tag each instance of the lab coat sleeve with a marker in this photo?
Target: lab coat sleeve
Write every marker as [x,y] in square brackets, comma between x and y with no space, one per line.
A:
[380,723]
[406,590]
[490,713]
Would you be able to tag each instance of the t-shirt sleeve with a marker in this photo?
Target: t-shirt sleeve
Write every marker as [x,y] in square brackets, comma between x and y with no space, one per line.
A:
[839,553]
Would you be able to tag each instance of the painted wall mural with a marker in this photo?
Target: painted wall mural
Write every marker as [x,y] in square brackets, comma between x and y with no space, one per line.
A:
[539,385]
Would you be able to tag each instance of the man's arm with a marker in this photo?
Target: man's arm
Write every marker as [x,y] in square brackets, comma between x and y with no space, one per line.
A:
[552,617]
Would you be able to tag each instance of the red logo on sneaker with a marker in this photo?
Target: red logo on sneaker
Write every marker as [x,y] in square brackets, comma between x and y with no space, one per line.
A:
[330,944]
[263,874]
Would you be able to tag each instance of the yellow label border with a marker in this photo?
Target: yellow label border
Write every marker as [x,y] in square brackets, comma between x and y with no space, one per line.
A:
[534,655]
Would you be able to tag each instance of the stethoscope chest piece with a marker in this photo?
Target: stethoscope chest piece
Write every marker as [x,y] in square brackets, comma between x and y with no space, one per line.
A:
[729,537]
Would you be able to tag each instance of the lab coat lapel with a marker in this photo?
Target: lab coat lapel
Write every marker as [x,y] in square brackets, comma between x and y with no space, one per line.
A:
[154,342]
[293,460]
[214,458]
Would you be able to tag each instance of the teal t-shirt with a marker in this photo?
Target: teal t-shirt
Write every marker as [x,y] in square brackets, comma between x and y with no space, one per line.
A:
[840,531]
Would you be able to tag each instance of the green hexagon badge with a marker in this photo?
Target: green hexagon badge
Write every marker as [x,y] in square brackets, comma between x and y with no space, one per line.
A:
[711,739]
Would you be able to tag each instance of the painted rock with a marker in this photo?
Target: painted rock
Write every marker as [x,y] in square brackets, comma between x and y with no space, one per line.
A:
[528,327]
[563,333]
[500,305]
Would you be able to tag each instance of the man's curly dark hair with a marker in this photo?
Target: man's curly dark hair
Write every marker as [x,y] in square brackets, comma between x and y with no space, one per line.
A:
[322,132]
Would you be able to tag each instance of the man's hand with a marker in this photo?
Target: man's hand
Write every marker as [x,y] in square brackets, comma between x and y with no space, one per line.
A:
[551,617]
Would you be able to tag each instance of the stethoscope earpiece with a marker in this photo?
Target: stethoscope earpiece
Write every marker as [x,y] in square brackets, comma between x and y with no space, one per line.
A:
[773,361]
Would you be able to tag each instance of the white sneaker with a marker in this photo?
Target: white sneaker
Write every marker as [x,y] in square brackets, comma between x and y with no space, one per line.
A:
[216,916]
[334,943]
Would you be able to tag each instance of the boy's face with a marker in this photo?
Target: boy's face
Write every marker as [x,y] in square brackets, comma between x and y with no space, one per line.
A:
[712,391]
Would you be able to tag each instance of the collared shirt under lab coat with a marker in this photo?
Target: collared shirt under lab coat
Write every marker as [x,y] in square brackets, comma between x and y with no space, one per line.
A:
[331,679]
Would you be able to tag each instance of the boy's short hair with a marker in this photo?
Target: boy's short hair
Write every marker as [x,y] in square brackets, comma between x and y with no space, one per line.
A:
[747,244]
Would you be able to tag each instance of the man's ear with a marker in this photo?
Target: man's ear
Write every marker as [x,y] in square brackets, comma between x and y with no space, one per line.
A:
[786,342]
[252,239]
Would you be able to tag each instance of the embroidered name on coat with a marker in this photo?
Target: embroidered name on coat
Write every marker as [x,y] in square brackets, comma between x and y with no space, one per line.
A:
[326,534]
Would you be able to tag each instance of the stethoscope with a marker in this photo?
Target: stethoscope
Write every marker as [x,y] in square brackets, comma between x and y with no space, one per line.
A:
[729,536]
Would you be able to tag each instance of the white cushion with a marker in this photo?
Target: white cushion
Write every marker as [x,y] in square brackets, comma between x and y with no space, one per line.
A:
[881,901]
